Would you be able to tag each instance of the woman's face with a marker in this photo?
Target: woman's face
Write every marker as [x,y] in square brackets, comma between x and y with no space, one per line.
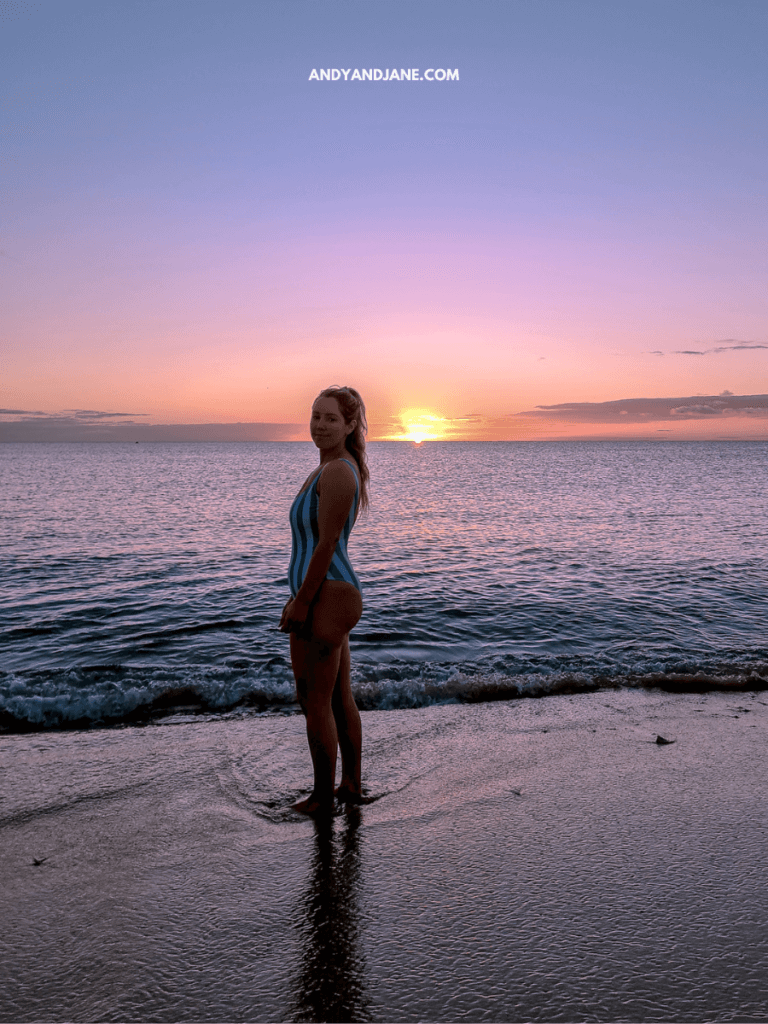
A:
[327,425]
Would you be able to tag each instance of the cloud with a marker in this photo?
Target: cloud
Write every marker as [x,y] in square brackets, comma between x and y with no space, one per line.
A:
[695,411]
[94,425]
[88,415]
[71,415]
[727,345]
[736,348]
[649,410]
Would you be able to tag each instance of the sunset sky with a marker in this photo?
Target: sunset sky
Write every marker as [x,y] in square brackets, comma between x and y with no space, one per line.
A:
[570,240]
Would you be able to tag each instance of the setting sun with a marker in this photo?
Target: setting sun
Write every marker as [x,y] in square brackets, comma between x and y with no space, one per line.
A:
[419,425]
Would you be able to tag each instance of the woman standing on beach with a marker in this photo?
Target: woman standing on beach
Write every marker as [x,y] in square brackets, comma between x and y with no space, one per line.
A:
[326,602]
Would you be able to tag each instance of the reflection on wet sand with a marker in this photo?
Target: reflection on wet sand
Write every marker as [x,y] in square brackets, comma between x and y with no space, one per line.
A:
[330,983]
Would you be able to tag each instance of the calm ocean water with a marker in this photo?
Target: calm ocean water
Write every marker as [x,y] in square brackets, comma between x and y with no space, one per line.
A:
[142,579]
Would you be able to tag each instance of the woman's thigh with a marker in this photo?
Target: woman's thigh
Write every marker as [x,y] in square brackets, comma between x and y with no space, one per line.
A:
[336,610]
[315,668]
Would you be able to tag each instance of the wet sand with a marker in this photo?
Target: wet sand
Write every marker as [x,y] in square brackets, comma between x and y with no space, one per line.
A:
[534,860]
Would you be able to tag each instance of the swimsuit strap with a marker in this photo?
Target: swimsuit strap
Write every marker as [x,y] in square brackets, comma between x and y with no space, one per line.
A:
[357,481]
[351,465]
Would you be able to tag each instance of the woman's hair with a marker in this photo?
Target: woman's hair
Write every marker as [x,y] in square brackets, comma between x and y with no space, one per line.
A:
[353,409]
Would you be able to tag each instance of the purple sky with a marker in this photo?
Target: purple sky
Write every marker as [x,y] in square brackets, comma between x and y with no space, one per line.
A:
[197,233]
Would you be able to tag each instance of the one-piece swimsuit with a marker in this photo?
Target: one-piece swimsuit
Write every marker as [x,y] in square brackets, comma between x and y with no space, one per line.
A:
[305,534]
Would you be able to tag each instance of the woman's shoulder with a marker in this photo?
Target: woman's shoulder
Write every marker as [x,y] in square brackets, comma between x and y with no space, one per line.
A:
[350,461]
[341,472]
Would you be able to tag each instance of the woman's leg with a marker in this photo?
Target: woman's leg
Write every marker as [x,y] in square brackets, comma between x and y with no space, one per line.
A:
[348,728]
[317,667]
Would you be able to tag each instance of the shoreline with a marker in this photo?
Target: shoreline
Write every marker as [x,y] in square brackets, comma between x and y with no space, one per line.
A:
[524,861]
[189,702]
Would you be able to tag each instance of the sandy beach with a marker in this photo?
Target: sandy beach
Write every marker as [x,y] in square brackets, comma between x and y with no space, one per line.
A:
[533,860]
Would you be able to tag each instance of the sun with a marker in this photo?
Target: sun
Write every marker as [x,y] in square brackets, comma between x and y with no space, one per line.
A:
[419,425]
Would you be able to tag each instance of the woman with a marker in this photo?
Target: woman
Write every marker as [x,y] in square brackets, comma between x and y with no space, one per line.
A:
[326,601]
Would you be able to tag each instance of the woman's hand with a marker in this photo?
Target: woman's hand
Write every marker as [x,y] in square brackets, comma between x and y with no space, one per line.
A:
[294,616]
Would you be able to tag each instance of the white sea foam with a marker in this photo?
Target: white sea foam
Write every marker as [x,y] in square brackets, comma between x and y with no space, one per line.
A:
[115,695]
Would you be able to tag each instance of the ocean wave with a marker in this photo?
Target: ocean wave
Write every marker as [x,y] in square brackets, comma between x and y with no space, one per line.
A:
[112,695]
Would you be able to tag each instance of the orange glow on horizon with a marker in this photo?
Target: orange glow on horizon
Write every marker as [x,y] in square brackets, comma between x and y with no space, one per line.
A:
[419,425]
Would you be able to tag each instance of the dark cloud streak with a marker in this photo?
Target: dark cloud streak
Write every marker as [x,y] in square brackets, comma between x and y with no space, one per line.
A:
[95,414]
[649,410]
[736,348]
[728,345]
[94,426]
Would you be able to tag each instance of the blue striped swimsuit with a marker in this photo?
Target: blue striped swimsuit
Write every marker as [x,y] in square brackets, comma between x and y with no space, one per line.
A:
[305,534]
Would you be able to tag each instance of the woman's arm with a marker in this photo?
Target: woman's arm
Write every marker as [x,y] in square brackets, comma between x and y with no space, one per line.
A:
[336,493]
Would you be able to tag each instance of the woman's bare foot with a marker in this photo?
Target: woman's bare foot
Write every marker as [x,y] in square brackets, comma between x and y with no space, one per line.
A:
[313,807]
[345,794]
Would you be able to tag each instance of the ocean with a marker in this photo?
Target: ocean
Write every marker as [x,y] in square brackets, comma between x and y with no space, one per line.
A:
[147,580]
